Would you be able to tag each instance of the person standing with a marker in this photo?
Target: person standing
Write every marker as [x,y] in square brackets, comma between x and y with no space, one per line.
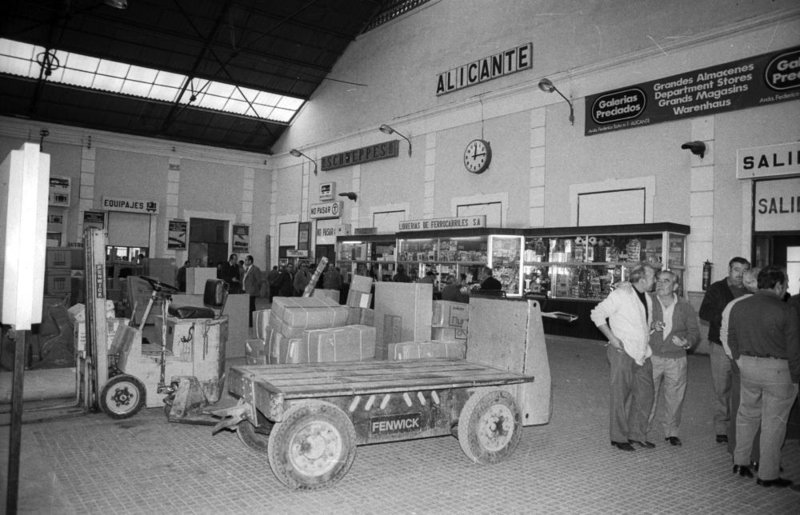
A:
[401,276]
[489,283]
[332,278]
[764,338]
[675,330]
[623,317]
[229,272]
[455,291]
[718,295]
[251,279]
[301,279]
[284,284]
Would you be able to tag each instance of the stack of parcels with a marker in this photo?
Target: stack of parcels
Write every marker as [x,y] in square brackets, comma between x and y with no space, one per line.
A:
[450,321]
[421,350]
[314,329]
[77,315]
[360,293]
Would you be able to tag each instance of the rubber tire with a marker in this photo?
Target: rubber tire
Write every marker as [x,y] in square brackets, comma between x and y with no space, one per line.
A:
[130,397]
[308,428]
[489,426]
[255,438]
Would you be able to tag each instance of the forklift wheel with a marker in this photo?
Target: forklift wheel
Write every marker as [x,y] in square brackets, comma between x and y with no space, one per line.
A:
[122,396]
[257,438]
[313,446]
[490,426]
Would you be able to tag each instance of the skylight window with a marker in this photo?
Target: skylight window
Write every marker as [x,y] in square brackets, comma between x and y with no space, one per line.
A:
[25,60]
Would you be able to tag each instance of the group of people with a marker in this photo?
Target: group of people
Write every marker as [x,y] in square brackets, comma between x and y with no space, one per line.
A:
[455,289]
[754,339]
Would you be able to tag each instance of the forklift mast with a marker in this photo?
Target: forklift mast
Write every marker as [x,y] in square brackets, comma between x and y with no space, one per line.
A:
[96,328]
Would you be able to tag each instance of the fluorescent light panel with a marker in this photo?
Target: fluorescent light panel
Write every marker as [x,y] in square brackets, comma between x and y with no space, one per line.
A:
[21,59]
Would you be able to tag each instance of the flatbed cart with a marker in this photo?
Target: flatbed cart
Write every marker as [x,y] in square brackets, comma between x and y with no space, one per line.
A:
[309,418]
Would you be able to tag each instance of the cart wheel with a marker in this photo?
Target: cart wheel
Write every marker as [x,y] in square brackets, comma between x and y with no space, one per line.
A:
[257,438]
[313,446]
[122,396]
[489,427]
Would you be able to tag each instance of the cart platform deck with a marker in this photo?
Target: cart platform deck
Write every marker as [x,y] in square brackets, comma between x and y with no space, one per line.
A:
[314,380]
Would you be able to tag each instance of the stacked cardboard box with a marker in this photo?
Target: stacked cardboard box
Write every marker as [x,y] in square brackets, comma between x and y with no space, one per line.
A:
[450,321]
[420,350]
[331,294]
[291,316]
[255,351]
[361,316]
[347,343]
[360,294]
[261,323]
[402,314]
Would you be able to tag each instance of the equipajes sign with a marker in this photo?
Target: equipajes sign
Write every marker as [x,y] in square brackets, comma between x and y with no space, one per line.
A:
[147,207]
[760,80]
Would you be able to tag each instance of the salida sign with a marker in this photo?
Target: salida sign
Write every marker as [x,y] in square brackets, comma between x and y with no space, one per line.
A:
[759,80]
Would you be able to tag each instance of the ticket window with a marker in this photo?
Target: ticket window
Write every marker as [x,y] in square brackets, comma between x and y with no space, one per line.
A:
[128,236]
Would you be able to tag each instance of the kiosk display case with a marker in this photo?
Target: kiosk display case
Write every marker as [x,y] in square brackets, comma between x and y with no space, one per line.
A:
[365,255]
[445,253]
[574,268]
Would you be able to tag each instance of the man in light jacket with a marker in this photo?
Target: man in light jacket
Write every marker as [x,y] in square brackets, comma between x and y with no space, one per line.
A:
[624,318]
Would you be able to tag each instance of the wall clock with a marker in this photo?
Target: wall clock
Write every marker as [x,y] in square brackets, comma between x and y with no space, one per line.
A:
[477,156]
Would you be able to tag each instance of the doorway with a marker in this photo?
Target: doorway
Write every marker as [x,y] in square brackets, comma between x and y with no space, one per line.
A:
[208,241]
[782,250]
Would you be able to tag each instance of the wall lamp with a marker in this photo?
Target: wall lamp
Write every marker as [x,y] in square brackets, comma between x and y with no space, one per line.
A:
[117,4]
[388,130]
[350,194]
[547,86]
[297,153]
[697,148]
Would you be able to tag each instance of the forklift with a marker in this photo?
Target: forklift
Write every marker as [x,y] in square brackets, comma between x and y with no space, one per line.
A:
[129,373]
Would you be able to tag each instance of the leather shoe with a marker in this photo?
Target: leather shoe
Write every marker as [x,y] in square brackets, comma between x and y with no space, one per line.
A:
[643,445]
[778,483]
[623,446]
[722,438]
[673,440]
[743,470]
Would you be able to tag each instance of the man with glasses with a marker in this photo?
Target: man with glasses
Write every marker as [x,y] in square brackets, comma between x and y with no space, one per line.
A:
[675,330]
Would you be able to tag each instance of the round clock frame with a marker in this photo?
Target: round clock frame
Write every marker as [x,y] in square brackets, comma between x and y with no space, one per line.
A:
[477,156]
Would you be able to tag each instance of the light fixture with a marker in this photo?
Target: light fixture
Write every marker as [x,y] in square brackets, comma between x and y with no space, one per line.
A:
[389,130]
[697,148]
[350,194]
[117,4]
[297,153]
[547,86]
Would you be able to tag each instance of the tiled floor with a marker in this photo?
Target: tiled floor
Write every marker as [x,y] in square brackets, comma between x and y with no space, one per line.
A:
[92,464]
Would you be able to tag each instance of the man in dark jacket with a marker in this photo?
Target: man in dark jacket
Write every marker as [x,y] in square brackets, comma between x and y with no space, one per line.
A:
[764,338]
[717,297]
[284,284]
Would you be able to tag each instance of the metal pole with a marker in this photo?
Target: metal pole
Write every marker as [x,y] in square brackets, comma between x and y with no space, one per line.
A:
[15,438]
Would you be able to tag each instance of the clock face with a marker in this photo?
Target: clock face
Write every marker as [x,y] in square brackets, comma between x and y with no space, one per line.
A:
[477,156]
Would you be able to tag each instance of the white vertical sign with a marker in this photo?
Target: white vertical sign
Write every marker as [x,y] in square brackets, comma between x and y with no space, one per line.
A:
[24,186]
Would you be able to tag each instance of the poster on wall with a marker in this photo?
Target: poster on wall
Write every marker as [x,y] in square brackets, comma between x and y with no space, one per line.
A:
[94,219]
[760,80]
[304,236]
[241,238]
[176,239]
